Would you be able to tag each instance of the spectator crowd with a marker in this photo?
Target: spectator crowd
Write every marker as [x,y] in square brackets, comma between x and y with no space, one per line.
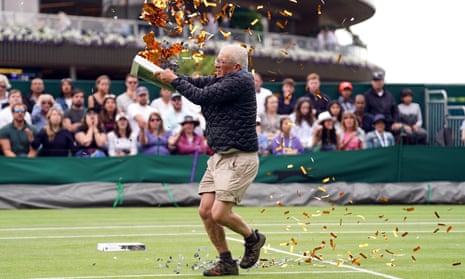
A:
[38,124]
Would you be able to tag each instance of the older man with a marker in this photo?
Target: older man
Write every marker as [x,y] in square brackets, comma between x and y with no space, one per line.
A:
[229,105]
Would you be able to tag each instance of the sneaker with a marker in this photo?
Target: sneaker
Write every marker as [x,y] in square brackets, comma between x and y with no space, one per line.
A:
[252,251]
[222,269]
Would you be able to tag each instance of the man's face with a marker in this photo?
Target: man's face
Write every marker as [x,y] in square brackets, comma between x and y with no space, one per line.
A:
[313,85]
[177,103]
[143,99]
[78,99]
[165,93]
[14,98]
[131,83]
[19,111]
[224,64]
[258,82]
[377,84]
[360,103]
[37,85]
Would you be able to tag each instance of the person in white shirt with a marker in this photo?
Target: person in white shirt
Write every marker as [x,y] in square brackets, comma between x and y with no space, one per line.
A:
[260,93]
[6,116]
[411,119]
[163,103]
[129,96]
[122,141]
[139,112]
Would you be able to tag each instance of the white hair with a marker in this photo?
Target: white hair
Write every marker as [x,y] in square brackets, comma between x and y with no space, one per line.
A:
[238,54]
[5,80]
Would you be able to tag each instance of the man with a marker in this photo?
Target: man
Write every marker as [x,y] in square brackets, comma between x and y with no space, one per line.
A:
[37,88]
[139,112]
[380,101]
[229,106]
[318,99]
[72,118]
[17,136]
[6,116]
[174,117]
[129,96]
[260,93]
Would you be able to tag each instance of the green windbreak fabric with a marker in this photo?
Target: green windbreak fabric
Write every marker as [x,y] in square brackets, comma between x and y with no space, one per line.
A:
[393,164]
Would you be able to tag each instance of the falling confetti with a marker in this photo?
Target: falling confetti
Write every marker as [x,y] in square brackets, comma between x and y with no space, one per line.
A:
[449,229]
[416,249]
[456,264]
[437,214]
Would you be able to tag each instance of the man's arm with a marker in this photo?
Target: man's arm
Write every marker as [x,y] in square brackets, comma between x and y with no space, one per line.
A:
[6,147]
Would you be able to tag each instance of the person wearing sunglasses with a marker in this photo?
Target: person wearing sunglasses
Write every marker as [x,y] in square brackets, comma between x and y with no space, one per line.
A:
[154,139]
[45,102]
[17,136]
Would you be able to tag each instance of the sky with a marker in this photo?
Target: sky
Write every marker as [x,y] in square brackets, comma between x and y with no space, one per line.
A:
[416,41]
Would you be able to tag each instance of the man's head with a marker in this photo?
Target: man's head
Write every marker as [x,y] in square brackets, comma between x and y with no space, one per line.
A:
[45,102]
[142,94]
[37,86]
[4,83]
[18,111]
[15,97]
[288,87]
[77,98]
[176,101]
[231,58]
[345,89]
[258,81]
[131,82]
[359,103]
[313,82]
[165,93]
[377,81]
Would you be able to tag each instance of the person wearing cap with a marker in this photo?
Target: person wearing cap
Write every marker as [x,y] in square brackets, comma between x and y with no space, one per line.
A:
[379,137]
[286,101]
[286,143]
[229,106]
[319,99]
[380,101]
[411,118]
[90,137]
[187,141]
[139,112]
[325,137]
[346,101]
[73,116]
[122,141]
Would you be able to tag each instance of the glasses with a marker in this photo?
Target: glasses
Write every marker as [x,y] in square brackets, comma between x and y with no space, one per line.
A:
[47,103]
[19,111]
[155,119]
[132,82]
[2,86]
[222,61]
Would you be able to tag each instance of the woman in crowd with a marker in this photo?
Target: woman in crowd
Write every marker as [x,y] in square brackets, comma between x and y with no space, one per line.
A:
[108,113]
[263,145]
[66,90]
[154,139]
[121,141]
[90,137]
[102,86]
[41,108]
[352,137]
[4,86]
[270,118]
[325,138]
[336,110]
[286,143]
[54,139]
[304,122]
[379,137]
[187,141]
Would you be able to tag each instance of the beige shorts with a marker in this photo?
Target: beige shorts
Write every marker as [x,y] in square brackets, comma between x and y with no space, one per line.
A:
[229,176]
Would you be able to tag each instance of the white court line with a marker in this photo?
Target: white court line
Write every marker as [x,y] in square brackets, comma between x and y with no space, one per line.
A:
[200,225]
[195,274]
[324,261]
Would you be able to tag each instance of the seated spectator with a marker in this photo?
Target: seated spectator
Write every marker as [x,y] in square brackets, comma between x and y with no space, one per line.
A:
[336,110]
[260,93]
[345,100]
[39,113]
[410,117]
[463,131]
[187,141]
[17,136]
[304,122]
[325,138]
[270,118]
[263,146]
[379,137]
[90,137]
[102,88]
[177,114]
[139,112]
[286,102]
[365,119]
[352,137]
[318,99]
[286,143]
[74,115]
[163,103]
[129,96]
[154,139]
[65,99]
[108,113]
[37,88]
[121,141]
[53,140]
[4,86]
[6,115]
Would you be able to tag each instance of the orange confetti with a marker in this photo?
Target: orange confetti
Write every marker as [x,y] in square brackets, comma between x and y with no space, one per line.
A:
[363,256]
[255,21]
[262,210]
[363,245]
[332,244]
[341,194]
[339,58]
[383,199]
[322,189]
[436,230]
[326,212]
[319,9]
[416,249]
[326,180]
[294,241]
[303,170]
[404,234]
[449,229]
[409,209]
[278,203]
[414,259]
[356,261]
[456,264]
[283,51]
[437,214]
[333,234]
[286,212]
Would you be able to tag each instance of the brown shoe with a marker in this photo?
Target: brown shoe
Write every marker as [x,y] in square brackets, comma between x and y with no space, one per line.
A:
[252,251]
[222,269]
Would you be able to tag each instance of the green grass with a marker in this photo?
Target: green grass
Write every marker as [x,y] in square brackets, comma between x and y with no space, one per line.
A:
[63,243]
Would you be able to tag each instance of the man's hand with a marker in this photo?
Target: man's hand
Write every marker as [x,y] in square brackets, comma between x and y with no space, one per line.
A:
[166,76]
